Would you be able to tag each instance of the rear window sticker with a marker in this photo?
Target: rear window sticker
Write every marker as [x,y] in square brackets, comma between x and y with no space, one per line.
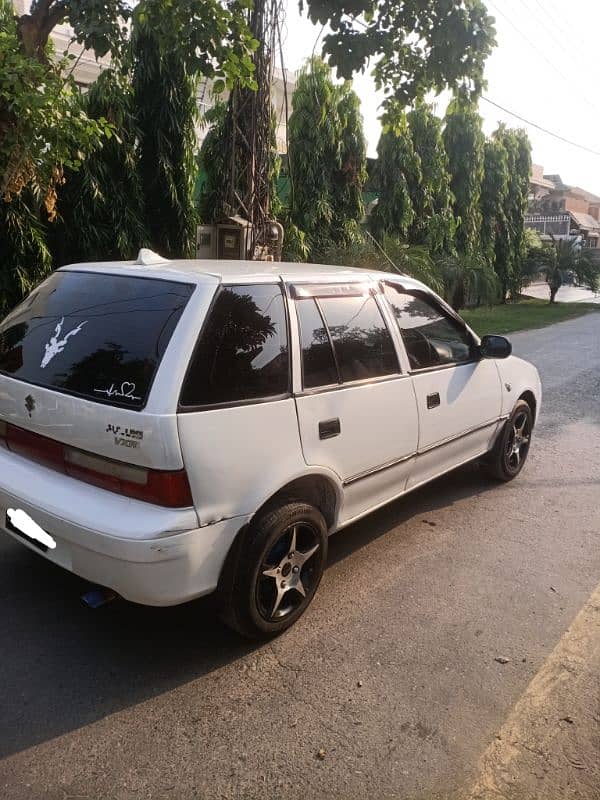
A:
[125,391]
[56,345]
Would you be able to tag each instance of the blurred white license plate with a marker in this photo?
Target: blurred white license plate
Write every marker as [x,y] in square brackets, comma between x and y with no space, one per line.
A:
[20,523]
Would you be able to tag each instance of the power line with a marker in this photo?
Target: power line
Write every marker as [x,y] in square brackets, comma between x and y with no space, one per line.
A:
[546,14]
[540,128]
[541,54]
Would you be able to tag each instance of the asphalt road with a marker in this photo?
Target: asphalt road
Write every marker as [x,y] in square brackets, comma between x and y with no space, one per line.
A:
[391,673]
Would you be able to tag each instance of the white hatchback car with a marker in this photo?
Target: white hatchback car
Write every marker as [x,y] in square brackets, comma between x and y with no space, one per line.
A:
[172,428]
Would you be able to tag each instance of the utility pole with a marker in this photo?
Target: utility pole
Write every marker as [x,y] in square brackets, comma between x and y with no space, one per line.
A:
[251,138]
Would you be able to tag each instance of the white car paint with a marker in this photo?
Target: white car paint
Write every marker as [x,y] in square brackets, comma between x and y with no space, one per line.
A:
[239,457]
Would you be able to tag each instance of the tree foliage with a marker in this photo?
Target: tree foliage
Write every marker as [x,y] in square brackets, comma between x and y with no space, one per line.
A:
[165,101]
[26,259]
[464,143]
[102,205]
[433,224]
[398,169]
[351,176]
[43,129]
[327,158]
[494,191]
[212,162]
[510,245]
[417,46]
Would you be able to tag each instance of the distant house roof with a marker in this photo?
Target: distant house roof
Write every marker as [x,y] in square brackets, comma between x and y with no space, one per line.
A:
[537,177]
[585,221]
[591,198]
[556,180]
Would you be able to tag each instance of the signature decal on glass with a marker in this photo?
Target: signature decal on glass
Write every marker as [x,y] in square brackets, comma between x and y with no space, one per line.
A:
[56,345]
[125,391]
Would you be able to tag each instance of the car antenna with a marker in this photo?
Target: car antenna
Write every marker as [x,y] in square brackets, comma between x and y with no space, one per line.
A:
[376,243]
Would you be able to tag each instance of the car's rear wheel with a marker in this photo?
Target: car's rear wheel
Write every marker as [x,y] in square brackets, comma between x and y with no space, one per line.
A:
[275,570]
[510,452]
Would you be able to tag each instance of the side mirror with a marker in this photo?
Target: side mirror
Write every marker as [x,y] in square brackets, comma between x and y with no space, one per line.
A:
[495,347]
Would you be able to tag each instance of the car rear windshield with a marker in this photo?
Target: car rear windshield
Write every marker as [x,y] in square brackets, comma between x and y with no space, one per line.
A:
[95,335]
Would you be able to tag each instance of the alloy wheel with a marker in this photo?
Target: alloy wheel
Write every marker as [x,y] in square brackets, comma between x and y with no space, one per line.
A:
[289,573]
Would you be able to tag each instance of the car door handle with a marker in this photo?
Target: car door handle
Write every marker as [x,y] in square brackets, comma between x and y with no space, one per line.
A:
[433,400]
[329,428]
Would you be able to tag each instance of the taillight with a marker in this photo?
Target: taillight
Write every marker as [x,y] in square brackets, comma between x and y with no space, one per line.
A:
[37,448]
[162,487]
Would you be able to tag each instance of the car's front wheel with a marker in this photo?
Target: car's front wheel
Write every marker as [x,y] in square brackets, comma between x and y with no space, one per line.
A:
[510,452]
[275,571]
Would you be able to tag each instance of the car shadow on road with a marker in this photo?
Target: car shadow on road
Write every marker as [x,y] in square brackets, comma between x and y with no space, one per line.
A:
[466,482]
[63,666]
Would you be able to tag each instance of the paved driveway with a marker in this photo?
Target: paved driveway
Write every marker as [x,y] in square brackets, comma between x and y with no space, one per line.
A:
[392,673]
[566,294]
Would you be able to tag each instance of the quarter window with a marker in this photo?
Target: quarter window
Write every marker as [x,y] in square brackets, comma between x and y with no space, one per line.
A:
[431,337]
[243,351]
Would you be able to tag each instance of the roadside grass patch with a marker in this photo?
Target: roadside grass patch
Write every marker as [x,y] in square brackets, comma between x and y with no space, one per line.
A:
[526,314]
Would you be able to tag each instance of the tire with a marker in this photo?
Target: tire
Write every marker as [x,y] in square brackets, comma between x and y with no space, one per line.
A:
[274,570]
[506,460]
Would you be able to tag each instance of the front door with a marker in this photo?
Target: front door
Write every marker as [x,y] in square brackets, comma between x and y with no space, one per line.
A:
[356,410]
[458,393]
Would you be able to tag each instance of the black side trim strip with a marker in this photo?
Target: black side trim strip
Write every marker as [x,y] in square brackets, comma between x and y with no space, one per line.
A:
[389,464]
[368,472]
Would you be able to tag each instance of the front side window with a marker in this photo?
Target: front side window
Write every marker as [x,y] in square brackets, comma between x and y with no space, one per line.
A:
[243,350]
[431,337]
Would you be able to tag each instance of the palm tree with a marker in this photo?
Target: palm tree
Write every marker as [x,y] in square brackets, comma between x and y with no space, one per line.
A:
[564,256]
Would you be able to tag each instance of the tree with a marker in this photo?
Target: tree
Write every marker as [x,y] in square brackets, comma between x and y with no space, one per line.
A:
[510,246]
[565,256]
[433,224]
[351,176]
[41,131]
[518,193]
[212,162]
[464,143]
[165,102]
[417,46]
[101,204]
[327,159]
[467,279]
[494,191]
[26,259]
[398,168]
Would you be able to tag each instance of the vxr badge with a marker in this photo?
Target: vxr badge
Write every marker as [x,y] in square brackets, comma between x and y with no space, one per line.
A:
[29,404]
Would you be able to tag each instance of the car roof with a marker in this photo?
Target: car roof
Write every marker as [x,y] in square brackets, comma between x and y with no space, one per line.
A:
[229,271]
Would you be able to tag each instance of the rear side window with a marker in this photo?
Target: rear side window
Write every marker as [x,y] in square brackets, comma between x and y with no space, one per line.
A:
[361,340]
[94,335]
[318,363]
[243,350]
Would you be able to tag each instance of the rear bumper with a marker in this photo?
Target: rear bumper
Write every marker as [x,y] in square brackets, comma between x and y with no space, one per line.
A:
[146,554]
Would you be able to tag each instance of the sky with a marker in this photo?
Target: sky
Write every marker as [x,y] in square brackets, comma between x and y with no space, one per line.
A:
[544,69]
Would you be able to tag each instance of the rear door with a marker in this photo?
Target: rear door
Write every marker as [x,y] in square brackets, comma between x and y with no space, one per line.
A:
[79,359]
[458,393]
[237,419]
[356,410]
